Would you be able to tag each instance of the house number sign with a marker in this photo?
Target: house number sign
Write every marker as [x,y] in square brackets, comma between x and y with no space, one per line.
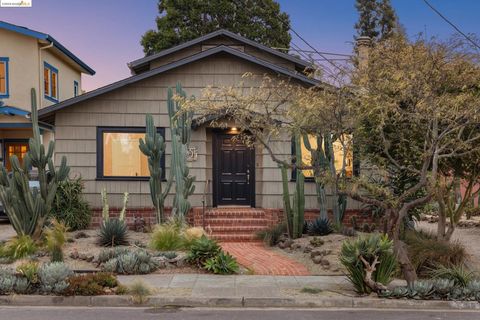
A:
[192,154]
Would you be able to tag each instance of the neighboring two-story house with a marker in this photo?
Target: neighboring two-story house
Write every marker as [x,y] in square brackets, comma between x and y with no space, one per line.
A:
[32,59]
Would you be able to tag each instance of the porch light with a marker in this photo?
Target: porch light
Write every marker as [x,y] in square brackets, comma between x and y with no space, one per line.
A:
[234,129]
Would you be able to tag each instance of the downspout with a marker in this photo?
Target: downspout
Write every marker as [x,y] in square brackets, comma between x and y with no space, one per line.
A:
[40,72]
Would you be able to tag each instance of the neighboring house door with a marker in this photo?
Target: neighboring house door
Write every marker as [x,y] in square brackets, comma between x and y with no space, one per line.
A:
[233,171]
[18,148]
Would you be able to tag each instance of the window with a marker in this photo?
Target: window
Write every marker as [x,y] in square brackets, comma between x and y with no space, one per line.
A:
[18,148]
[75,88]
[4,78]
[119,156]
[338,152]
[50,82]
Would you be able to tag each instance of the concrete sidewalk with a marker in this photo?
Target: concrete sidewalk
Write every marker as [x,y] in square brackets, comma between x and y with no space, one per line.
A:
[243,286]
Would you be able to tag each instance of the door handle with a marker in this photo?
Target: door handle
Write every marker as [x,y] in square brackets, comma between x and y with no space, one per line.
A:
[248,176]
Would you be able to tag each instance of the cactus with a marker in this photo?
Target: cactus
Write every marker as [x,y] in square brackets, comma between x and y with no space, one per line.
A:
[294,214]
[106,207]
[27,209]
[180,128]
[154,148]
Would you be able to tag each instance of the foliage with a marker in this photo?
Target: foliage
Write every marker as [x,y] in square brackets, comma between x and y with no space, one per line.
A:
[27,209]
[19,247]
[139,291]
[113,232]
[166,237]
[180,130]
[190,235]
[377,19]
[320,227]
[29,270]
[222,263]
[7,281]
[90,284]
[316,242]
[108,254]
[459,274]
[178,22]
[70,207]
[427,253]
[202,250]
[154,148]
[374,249]
[53,277]
[55,237]
[128,262]
[271,235]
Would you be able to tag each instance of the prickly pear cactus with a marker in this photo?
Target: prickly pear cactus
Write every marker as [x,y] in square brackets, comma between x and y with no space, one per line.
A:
[27,209]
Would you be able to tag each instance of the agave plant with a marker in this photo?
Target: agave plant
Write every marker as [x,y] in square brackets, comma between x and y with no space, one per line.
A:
[202,250]
[223,263]
[320,227]
[113,233]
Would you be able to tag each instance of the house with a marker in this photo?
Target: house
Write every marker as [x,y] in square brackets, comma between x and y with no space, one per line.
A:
[98,132]
[32,59]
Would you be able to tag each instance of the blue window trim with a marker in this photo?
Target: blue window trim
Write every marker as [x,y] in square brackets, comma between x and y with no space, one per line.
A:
[7,92]
[52,70]
[75,88]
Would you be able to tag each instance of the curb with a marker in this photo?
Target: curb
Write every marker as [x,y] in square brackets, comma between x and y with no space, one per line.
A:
[236,302]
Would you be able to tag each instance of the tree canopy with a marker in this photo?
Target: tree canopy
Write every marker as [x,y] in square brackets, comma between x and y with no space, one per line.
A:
[183,20]
[377,19]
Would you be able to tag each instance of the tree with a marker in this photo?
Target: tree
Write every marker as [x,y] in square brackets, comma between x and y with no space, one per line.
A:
[183,20]
[377,19]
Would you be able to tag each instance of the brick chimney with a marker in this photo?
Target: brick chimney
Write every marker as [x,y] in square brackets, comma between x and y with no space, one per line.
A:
[363,48]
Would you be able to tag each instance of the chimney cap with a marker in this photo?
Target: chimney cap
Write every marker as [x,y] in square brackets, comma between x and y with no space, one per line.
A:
[364,41]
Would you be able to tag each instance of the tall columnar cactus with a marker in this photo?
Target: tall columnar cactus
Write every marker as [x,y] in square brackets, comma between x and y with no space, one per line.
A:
[154,148]
[106,207]
[319,162]
[27,208]
[294,214]
[180,129]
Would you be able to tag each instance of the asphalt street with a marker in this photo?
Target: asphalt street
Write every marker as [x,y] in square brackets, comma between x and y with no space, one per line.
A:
[172,313]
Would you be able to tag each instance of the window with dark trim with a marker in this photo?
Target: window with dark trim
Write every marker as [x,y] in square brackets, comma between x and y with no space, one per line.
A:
[50,82]
[4,77]
[75,88]
[119,156]
[352,166]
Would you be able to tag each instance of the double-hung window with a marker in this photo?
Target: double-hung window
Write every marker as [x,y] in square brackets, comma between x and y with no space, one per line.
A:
[50,82]
[119,156]
[4,77]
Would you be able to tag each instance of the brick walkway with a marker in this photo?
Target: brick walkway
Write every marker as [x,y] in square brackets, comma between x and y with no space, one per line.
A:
[262,261]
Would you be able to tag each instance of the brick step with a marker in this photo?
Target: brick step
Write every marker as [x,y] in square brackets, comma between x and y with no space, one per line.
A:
[235,229]
[227,237]
[236,221]
[235,214]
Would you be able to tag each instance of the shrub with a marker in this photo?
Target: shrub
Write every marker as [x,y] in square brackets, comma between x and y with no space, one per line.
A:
[460,275]
[70,207]
[139,291]
[55,237]
[90,284]
[222,263]
[166,237]
[53,277]
[202,250]
[124,262]
[320,227]
[19,247]
[369,248]
[7,281]
[113,232]
[190,235]
[271,236]
[29,270]
[426,252]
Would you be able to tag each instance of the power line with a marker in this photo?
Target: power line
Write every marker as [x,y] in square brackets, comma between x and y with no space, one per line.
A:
[311,51]
[451,23]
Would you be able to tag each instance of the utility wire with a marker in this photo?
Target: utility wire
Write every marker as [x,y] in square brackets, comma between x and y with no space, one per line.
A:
[452,24]
[311,51]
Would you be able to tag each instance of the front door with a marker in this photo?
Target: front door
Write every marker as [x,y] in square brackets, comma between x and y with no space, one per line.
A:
[15,148]
[233,171]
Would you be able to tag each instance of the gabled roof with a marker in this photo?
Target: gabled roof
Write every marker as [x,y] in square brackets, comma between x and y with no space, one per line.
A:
[46,37]
[204,54]
[133,65]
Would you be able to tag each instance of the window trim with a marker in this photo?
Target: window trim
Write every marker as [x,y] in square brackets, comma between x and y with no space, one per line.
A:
[355,163]
[7,88]
[101,131]
[75,88]
[51,70]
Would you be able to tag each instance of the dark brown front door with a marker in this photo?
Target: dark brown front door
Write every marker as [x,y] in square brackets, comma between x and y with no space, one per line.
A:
[234,171]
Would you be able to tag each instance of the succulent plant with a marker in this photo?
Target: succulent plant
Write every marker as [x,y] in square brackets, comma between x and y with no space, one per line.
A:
[7,281]
[124,262]
[53,277]
[113,232]
[222,263]
[202,250]
[320,227]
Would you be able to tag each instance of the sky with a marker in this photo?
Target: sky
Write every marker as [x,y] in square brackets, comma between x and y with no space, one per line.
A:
[106,34]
